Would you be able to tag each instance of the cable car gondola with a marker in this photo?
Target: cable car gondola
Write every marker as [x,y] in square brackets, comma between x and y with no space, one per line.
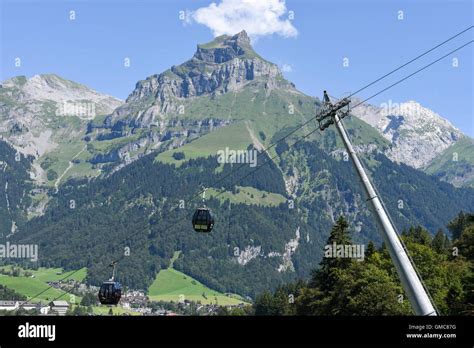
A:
[110,291]
[203,221]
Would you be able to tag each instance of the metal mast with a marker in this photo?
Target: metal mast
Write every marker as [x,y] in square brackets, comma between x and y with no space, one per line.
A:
[113,264]
[417,295]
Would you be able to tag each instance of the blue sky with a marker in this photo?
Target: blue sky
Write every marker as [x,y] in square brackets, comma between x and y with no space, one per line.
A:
[91,49]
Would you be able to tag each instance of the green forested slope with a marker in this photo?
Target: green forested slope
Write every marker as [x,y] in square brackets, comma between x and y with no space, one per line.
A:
[131,208]
[14,189]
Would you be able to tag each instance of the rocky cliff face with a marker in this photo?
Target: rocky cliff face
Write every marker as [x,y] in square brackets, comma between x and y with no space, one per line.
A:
[225,82]
[172,135]
[53,88]
[225,48]
[422,139]
[164,111]
[416,133]
[224,65]
[36,112]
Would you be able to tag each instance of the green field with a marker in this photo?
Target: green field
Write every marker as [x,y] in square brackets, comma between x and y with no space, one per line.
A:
[248,195]
[257,116]
[236,137]
[457,160]
[104,310]
[32,285]
[169,285]
[58,160]
[116,310]
[172,285]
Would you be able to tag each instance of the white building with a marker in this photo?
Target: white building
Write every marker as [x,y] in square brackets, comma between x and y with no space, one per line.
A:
[60,307]
[8,305]
[14,305]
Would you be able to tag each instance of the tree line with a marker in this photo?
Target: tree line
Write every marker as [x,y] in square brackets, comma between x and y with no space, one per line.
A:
[345,286]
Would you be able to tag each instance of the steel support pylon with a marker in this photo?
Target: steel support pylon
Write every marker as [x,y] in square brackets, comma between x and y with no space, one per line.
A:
[412,284]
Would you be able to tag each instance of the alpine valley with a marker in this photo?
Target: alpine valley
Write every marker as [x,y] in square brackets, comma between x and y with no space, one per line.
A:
[128,175]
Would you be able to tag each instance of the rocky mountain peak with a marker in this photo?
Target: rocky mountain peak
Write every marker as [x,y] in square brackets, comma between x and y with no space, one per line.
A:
[226,64]
[53,88]
[242,37]
[417,134]
[240,42]
[44,113]
[225,48]
[14,82]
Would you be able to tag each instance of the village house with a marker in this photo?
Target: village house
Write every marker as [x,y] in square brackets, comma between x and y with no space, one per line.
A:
[59,307]
[14,305]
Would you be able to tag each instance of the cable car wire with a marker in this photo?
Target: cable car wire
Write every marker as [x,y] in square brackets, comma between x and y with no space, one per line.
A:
[412,60]
[392,85]
[289,146]
[359,90]
[297,128]
[414,73]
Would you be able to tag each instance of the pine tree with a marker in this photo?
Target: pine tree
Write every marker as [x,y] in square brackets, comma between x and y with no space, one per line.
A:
[468,305]
[447,243]
[418,235]
[325,277]
[265,304]
[370,249]
[438,243]
[457,226]
[372,287]
[465,243]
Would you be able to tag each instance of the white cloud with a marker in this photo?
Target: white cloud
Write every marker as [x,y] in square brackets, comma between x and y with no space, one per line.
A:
[286,68]
[186,16]
[257,17]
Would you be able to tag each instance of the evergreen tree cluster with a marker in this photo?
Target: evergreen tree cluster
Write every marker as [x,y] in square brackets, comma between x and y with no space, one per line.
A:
[133,215]
[344,286]
[15,183]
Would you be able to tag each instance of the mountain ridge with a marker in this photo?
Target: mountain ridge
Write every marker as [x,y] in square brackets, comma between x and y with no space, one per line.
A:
[226,89]
[125,170]
[224,65]
[419,137]
[53,87]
